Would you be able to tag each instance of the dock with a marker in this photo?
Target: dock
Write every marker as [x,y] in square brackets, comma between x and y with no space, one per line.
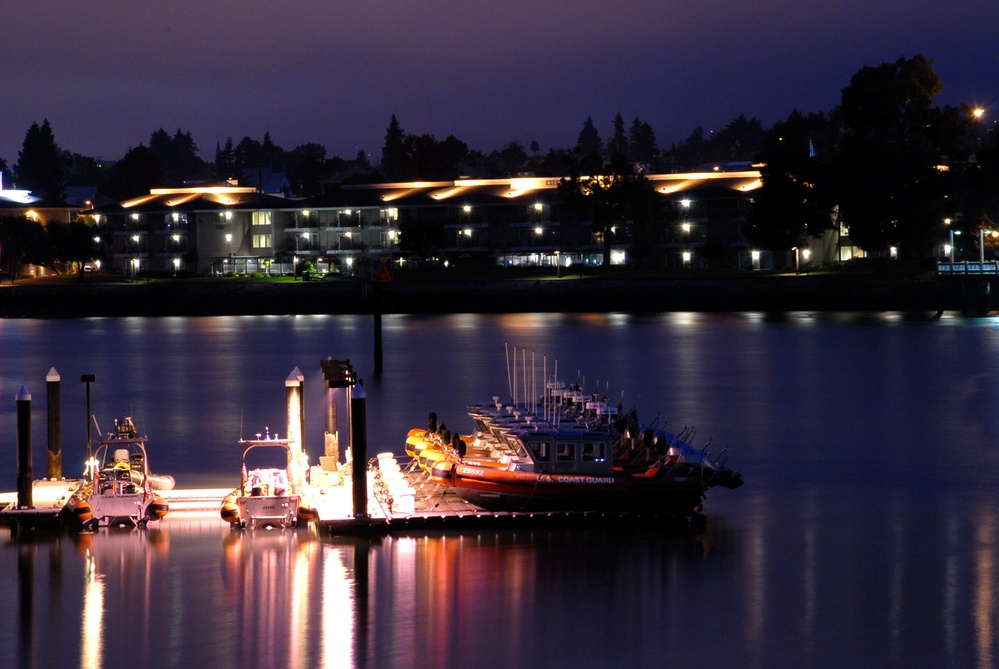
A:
[412,503]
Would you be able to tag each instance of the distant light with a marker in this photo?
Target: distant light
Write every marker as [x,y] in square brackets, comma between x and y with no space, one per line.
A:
[135,238]
[685,203]
[538,206]
[538,231]
[467,209]
[228,238]
[686,227]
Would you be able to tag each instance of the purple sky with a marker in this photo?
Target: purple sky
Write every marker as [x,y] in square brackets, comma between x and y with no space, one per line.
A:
[107,74]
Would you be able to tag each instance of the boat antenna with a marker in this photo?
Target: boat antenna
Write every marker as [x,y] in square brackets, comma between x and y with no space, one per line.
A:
[241,425]
[509,385]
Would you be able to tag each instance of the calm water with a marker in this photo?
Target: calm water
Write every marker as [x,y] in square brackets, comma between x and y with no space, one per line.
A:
[867,533]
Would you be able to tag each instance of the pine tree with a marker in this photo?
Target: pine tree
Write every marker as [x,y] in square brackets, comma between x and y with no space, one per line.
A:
[39,168]
[589,140]
[394,152]
[617,147]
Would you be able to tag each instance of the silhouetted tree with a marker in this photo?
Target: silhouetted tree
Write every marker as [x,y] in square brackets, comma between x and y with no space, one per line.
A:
[226,166]
[22,242]
[513,156]
[39,166]
[306,168]
[394,152]
[589,144]
[608,200]
[617,147]
[179,157]
[796,200]
[739,141]
[642,147]
[889,187]
[134,175]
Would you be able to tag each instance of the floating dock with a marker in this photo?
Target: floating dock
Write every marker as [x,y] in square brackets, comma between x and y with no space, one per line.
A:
[410,501]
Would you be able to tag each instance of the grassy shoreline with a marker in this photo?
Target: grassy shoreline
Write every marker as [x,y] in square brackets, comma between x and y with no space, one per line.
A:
[878,287]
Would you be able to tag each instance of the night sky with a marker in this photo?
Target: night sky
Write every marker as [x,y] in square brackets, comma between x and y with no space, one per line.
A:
[107,74]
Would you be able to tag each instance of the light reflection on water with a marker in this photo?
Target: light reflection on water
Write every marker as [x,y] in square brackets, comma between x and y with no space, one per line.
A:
[865,534]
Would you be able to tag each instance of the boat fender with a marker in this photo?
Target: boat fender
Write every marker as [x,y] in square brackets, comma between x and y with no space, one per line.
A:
[83,511]
[230,511]
[307,513]
[159,508]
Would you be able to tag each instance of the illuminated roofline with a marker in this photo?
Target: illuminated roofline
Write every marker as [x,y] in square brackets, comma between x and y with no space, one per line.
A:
[201,190]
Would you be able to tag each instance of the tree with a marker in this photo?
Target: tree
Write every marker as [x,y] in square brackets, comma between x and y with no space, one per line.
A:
[642,148]
[22,242]
[306,167]
[796,200]
[394,152]
[226,166]
[134,175]
[617,147]
[178,155]
[608,200]
[513,156]
[739,141]
[39,166]
[588,144]
[890,189]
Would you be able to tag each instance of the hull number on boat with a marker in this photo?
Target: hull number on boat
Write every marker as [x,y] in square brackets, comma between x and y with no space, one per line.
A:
[470,471]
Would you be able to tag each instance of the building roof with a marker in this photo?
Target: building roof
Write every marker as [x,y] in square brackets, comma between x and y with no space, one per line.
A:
[482,192]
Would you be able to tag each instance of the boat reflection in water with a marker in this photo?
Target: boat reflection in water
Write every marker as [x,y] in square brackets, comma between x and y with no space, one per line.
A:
[174,597]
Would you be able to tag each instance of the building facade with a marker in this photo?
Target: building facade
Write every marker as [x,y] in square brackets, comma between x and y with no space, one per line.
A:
[510,222]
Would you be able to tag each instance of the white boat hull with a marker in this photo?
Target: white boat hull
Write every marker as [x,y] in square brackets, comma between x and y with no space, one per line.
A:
[268,511]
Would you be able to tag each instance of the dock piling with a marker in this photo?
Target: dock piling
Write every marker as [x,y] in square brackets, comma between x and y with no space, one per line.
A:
[54,383]
[24,469]
[359,450]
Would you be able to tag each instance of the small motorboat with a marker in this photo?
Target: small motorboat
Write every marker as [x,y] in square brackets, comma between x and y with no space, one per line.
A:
[268,497]
[118,488]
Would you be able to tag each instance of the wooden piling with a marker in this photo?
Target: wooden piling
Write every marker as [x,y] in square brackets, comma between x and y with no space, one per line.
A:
[359,450]
[24,469]
[54,383]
